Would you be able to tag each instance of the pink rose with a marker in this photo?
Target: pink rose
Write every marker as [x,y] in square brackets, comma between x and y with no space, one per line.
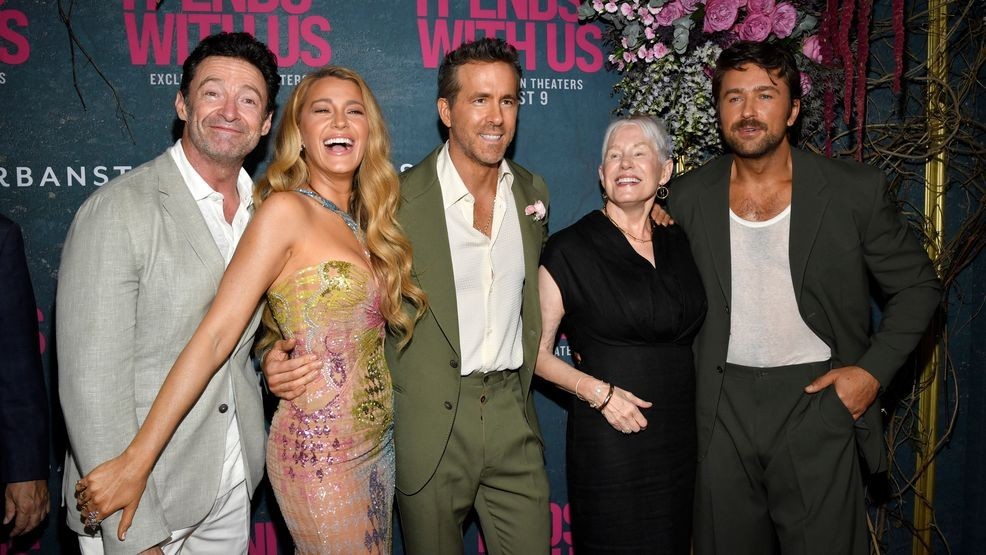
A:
[812,49]
[669,13]
[805,84]
[784,18]
[628,56]
[627,11]
[759,6]
[719,15]
[659,51]
[598,6]
[537,210]
[611,7]
[690,5]
[755,28]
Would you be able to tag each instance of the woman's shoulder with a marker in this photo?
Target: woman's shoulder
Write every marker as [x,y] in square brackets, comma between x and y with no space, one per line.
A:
[579,231]
[282,209]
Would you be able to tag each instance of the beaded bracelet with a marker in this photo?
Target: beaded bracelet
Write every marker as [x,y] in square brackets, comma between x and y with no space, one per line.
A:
[605,402]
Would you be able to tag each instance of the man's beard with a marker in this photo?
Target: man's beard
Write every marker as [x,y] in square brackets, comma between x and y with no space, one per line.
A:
[752,149]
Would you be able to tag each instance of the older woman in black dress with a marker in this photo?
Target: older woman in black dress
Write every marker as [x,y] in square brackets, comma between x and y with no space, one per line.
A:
[628,295]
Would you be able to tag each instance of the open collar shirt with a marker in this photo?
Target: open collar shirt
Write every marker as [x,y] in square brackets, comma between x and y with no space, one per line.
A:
[488,271]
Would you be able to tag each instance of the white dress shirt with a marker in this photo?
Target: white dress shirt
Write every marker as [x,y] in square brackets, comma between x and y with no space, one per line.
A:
[488,271]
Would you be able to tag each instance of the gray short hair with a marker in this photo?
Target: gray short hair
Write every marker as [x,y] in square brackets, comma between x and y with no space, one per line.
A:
[653,128]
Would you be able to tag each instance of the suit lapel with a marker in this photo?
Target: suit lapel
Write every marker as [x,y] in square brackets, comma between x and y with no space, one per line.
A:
[809,199]
[529,232]
[177,201]
[423,219]
[714,208]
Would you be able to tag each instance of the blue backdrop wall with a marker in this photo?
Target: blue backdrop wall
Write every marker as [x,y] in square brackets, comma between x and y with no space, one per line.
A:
[87,92]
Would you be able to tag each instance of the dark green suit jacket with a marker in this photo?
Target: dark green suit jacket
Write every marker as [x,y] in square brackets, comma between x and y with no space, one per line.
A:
[843,230]
[426,372]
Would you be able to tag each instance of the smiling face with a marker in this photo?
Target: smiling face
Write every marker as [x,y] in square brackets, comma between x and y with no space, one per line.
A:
[755,110]
[483,117]
[334,129]
[225,111]
[632,168]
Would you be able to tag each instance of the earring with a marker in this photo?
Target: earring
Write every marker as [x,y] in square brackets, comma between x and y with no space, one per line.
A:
[663,192]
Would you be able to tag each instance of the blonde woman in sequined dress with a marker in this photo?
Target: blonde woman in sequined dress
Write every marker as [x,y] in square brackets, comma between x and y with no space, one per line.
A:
[325,247]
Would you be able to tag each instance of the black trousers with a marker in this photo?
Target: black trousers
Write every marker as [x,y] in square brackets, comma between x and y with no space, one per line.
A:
[782,473]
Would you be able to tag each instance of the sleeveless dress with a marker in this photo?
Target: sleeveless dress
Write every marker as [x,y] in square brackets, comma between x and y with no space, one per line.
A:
[330,453]
[632,325]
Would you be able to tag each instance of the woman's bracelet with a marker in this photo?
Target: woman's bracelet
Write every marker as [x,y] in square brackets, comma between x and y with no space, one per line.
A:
[577,394]
[609,395]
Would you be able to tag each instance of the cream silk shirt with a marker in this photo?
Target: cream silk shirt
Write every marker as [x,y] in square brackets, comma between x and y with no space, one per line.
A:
[488,271]
[226,237]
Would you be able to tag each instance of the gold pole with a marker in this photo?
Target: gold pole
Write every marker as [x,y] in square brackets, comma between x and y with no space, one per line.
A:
[934,212]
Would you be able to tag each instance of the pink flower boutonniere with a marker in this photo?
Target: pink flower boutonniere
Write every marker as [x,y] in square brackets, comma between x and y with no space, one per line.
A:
[537,210]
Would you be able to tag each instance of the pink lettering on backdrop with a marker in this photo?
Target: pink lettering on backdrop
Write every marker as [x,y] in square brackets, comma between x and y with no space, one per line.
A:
[8,548]
[263,541]
[561,535]
[159,38]
[14,46]
[543,31]
[41,337]
[442,8]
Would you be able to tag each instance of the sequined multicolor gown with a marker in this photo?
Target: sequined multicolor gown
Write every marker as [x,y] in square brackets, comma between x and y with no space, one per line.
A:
[330,455]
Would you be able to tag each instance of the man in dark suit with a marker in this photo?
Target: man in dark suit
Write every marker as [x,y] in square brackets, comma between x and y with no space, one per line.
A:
[788,366]
[23,400]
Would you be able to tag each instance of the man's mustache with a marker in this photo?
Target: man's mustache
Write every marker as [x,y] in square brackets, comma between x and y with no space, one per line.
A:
[748,123]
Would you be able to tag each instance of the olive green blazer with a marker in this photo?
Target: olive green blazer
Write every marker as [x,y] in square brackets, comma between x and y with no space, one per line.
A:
[844,231]
[426,372]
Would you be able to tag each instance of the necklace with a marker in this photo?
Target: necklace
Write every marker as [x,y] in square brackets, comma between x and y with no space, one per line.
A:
[486,229]
[350,222]
[627,233]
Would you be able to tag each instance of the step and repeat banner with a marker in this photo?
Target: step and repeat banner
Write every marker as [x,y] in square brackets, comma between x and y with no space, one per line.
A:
[87,92]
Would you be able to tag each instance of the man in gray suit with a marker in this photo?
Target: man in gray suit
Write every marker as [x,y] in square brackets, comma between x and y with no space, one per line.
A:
[788,366]
[141,264]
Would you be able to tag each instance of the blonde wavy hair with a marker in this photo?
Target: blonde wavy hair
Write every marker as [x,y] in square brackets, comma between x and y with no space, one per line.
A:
[374,202]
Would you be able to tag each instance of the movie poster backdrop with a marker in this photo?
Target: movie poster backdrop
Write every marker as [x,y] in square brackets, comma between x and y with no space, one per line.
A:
[87,92]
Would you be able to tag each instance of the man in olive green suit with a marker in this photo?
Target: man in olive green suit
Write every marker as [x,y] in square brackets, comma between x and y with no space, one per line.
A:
[788,367]
[466,433]
[465,428]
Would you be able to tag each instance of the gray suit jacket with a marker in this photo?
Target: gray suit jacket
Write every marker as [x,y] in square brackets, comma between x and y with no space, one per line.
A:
[843,231]
[426,373]
[139,271]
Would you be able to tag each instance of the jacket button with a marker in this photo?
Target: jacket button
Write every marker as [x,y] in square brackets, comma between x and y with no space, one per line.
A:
[223,408]
[448,405]
[719,369]
[453,363]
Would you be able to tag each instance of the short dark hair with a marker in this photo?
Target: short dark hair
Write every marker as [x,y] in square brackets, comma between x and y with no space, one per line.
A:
[770,56]
[486,50]
[234,45]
